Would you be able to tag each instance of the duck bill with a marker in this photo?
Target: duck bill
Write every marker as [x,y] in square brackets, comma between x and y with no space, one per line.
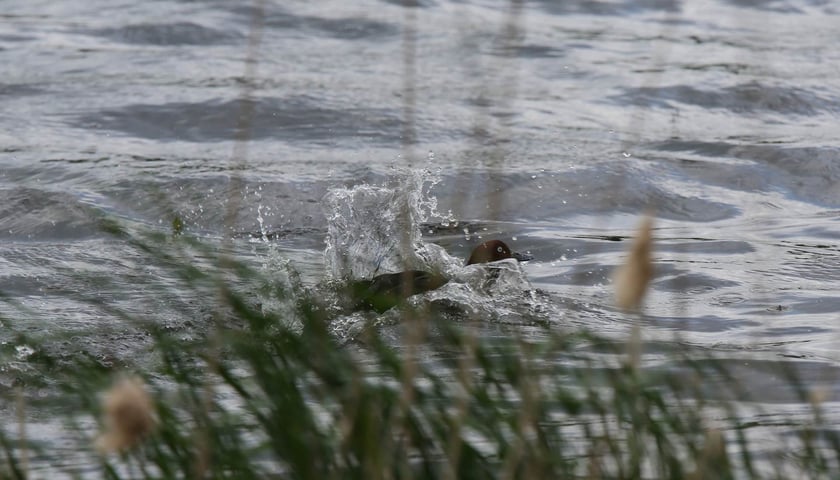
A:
[522,257]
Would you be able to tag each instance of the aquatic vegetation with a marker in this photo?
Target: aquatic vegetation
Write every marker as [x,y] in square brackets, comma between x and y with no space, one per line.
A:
[255,396]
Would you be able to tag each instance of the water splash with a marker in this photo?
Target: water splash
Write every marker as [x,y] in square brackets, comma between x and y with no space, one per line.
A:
[373,230]
[281,288]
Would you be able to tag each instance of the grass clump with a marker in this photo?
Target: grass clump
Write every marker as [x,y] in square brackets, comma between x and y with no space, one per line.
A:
[260,396]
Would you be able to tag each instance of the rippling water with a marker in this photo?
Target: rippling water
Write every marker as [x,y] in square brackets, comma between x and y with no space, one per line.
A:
[551,125]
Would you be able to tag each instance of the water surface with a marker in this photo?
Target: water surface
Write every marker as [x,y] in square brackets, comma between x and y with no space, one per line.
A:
[551,125]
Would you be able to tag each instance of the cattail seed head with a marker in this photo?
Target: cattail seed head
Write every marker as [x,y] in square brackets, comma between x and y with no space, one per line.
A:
[128,415]
[631,279]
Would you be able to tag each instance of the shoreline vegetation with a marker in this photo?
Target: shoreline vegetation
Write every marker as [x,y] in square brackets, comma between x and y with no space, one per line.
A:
[259,396]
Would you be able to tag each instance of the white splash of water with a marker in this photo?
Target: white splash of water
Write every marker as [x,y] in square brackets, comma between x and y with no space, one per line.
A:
[373,229]
[376,229]
[282,289]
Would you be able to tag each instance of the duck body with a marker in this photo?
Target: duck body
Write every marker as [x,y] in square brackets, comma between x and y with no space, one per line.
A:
[386,291]
[383,292]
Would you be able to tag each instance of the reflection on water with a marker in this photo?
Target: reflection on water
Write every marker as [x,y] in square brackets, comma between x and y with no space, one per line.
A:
[553,128]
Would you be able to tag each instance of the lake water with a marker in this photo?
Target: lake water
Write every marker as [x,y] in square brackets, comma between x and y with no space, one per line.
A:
[551,125]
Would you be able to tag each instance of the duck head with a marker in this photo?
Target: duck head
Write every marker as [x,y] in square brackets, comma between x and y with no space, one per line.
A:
[493,250]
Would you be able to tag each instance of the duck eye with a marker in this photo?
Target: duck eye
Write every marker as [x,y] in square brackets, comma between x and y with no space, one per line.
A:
[499,249]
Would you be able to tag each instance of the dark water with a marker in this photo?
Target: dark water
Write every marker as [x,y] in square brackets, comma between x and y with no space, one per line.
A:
[551,125]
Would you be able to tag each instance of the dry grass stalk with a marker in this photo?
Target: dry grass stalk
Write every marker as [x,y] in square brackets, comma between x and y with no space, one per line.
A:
[631,279]
[634,348]
[129,415]
[21,414]
[713,461]
[819,395]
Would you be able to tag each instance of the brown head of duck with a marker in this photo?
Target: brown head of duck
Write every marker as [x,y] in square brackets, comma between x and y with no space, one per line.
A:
[493,251]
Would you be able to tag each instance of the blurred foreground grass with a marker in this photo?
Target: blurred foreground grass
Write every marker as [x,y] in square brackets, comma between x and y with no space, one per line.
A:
[260,396]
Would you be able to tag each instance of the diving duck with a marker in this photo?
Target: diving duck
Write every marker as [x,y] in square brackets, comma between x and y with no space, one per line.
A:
[384,292]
